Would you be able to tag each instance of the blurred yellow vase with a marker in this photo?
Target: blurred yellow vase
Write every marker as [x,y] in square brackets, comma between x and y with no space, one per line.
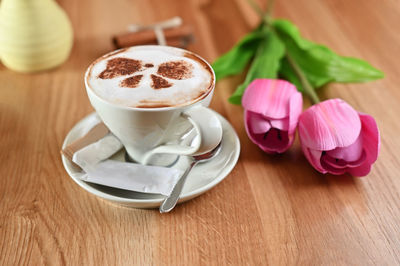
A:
[34,34]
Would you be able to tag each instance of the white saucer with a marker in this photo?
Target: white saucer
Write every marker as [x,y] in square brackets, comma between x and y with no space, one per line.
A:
[202,177]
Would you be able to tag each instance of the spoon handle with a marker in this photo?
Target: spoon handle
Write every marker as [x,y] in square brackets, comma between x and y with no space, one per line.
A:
[170,202]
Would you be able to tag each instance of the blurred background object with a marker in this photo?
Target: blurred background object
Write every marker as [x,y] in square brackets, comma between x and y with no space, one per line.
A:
[34,35]
[168,32]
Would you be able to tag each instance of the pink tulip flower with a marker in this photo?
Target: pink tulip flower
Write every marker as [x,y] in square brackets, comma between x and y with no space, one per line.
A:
[272,110]
[336,139]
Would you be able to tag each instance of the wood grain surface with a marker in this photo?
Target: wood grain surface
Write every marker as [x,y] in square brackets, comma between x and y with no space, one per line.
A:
[271,210]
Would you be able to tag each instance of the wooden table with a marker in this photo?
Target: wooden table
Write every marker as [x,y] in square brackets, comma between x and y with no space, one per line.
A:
[269,210]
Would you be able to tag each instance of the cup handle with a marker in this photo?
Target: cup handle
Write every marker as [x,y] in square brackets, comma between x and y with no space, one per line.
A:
[198,116]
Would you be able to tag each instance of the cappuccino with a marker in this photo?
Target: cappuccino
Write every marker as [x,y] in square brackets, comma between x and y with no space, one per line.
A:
[150,77]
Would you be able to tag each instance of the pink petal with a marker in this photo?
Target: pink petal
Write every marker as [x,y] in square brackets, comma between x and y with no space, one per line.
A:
[295,108]
[371,145]
[332,169]
[268,140]
[314,158]
[257,122]
[282,124]
[361,170]
[350,153]
[333,162]
[328,125]
[269,97]
[271,143]
[250,127]
[359,162]
[339,163]
[371,137]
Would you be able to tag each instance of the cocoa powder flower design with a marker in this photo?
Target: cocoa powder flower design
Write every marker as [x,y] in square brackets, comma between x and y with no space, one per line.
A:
[120,66]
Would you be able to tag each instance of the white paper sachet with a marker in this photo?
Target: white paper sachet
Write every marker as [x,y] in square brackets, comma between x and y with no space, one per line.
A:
[96,152]
[129,176]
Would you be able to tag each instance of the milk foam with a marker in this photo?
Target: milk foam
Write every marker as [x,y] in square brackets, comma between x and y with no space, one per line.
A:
[180,92]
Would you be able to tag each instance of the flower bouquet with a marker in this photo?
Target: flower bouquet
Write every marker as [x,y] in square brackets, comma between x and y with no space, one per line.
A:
[284,66]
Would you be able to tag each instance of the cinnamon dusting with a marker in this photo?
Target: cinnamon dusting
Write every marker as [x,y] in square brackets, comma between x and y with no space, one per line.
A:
[131,82]
[120,66]
[175,70]
[159,82]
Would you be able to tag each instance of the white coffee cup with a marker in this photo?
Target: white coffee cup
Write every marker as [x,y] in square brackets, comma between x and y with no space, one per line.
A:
[148,131]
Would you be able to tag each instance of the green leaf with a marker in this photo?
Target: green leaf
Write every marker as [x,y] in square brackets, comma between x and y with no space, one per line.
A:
[265,64]
[287,72]
[235,60]
[320,64]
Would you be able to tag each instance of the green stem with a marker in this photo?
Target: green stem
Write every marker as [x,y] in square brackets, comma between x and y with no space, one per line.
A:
[303,80]
[270,7]
[256,8]
[266,21]
[265,16]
